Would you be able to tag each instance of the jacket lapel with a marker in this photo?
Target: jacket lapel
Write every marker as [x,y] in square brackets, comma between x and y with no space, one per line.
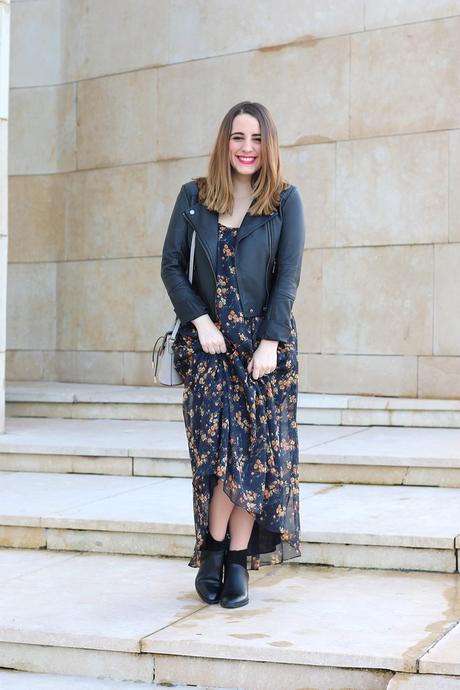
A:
[205,223]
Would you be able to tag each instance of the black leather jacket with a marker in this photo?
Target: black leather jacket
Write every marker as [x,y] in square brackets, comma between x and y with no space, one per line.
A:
[268,259]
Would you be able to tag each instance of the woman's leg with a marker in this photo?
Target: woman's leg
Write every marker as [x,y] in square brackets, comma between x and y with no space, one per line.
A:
[240,523]
[223,511]
[220,508]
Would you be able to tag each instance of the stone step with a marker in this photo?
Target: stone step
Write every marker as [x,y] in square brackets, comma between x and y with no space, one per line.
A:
[332,454]
[139,619]
[355,526]
[24,680]
[156,402]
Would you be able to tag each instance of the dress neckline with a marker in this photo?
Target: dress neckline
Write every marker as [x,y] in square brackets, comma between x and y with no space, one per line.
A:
[229,227]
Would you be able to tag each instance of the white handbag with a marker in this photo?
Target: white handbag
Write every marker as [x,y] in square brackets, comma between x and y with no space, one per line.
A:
[162,354]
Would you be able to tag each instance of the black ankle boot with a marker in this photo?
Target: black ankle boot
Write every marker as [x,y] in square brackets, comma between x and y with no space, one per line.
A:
[235,590]
[208,581]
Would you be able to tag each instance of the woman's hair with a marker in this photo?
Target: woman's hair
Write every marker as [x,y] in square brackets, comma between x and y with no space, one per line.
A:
[216,190]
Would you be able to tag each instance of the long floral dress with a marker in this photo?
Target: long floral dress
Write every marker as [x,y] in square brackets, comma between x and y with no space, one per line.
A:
[242,429]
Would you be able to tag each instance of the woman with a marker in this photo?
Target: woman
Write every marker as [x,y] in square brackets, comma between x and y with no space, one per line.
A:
[236,351]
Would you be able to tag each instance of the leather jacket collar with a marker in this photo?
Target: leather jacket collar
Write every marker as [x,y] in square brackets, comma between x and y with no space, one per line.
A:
[205,221]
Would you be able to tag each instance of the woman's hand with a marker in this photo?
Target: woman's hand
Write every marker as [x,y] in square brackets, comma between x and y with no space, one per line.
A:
[264,360]
[210,337]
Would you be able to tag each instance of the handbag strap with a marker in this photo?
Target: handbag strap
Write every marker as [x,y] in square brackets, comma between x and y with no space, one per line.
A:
[190,277]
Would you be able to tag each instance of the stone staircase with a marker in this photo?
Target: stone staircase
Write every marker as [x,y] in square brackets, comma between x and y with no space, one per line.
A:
[96,530]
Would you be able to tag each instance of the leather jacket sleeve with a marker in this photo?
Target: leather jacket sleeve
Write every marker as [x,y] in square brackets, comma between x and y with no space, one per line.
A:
[276,323]
[186,301]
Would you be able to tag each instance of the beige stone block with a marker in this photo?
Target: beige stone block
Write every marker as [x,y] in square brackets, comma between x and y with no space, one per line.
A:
[308,88]
[367,418]
[137,369]
[31,321]
[393,190]
[267,675]
[19,562]
[317,416]
[5,32]
[312,169]
[180,96]
[384,446]
[103,204]
[95,304]
[109,36]
[89,367]
[201,29]
[3,178]
[30,365]
[350,618]
[22,680]
[442,657]
[97,602]
[42,128]
[351,474]
[117,119]
[307,304]
[361,375]
[446,336]
[157,467]
[4,240]
[454,185]
[163,184]
[111,305]
[439,377]
[378,557]
[61,391]
[22,537]
[394,88]
[378,13]
[170,545]
[96,437]
[108,213]
[37,33]
[5,23]
[45,495]
[435,418]
[377,300]
[80,464]
[403,418]
[430,476]
[79,661]
[37,208]
[116,411]
[102,410]
[2,391]
[423,681]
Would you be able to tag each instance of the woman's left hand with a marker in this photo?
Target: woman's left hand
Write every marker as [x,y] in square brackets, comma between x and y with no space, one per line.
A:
[264,360]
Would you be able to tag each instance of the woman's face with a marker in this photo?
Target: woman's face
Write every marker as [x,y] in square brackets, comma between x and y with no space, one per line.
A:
[245,145]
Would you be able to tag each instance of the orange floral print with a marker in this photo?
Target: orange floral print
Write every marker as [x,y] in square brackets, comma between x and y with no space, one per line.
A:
[242,429]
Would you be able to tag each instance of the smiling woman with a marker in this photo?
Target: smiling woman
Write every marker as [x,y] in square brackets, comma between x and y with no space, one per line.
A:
[236,352]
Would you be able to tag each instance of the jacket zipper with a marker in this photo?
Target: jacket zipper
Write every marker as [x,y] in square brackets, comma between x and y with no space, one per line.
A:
[204,248]
[268,265]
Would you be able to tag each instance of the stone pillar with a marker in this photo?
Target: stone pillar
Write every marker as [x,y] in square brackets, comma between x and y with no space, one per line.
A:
[4,86]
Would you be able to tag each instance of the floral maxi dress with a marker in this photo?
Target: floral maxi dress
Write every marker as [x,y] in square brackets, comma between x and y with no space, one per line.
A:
[242,429]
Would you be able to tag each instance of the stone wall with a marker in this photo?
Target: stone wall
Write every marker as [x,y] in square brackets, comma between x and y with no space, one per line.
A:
[4,84]
[115,104]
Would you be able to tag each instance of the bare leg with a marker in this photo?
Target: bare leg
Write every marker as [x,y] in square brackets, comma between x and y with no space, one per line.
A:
[220,508]
[240,523]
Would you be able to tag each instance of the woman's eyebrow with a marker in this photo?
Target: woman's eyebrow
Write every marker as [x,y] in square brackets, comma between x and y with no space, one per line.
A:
[254,135]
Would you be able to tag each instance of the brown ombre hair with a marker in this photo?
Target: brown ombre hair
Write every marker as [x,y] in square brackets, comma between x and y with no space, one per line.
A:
[216,190]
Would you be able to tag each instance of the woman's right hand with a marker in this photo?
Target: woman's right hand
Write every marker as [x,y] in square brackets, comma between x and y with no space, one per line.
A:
[210,337]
